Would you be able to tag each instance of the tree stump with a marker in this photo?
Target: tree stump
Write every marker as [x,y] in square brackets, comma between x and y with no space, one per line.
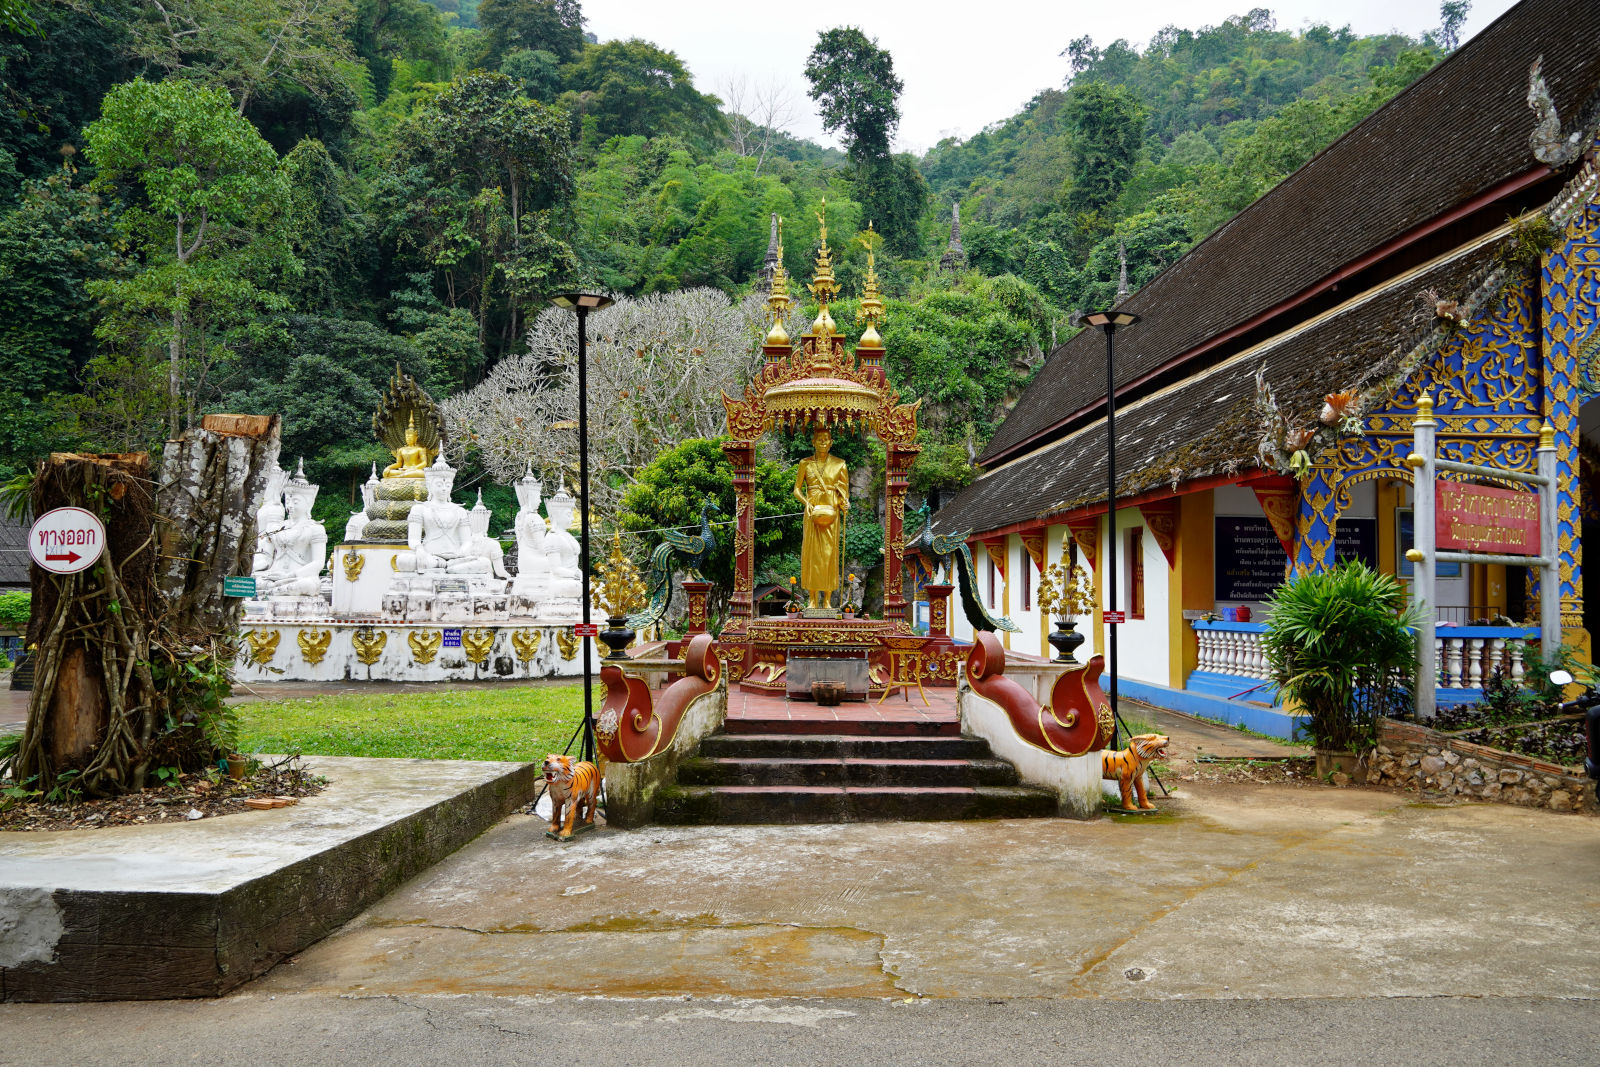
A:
[117,644]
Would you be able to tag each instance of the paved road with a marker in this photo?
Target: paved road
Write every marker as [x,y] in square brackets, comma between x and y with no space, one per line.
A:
[310,1030]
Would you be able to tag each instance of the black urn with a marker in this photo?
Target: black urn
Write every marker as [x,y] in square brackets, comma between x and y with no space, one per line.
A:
[617,636]
[1065,640]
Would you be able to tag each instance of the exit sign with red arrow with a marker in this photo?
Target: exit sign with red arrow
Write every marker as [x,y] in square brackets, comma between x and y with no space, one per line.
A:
[66,540]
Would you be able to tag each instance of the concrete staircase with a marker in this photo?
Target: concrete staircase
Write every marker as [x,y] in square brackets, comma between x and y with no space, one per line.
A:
[787,771]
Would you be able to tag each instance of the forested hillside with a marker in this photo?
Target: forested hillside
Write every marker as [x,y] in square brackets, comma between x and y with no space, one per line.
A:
[264,205]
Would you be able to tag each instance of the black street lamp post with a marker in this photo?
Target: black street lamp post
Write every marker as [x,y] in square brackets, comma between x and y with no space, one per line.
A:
[1108,321]
[583,303]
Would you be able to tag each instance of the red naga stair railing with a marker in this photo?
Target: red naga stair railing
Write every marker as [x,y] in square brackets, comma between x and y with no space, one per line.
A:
[628,728]
[1076,722]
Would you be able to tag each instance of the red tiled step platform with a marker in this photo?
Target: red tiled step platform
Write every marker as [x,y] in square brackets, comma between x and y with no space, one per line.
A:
[794,762]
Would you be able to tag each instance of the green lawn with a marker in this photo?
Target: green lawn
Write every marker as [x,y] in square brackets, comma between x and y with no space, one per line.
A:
[520,723]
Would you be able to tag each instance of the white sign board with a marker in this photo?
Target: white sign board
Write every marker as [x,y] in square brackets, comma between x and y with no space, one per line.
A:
[66,540]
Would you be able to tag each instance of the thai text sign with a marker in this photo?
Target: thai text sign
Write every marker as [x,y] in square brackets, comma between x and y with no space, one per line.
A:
[1479,518]
[66,540]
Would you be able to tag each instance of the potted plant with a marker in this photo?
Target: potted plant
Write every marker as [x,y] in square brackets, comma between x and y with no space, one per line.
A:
[1065,592]
[793,607]
[1341,647]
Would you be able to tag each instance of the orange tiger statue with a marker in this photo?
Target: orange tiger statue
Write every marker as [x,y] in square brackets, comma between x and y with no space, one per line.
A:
[1127,767]
[574,789]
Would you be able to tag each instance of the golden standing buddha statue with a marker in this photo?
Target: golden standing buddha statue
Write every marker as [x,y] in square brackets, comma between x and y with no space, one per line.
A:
[822,484]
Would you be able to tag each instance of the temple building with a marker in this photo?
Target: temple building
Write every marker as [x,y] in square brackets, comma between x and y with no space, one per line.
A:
[1444,251]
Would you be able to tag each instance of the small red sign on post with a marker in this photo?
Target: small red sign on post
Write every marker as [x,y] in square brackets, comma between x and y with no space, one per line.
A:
[1113,618]
[1480,518]
[66,540]
[586,629]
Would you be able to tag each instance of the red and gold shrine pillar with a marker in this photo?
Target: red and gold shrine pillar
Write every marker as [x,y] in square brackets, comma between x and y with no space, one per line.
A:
[938,610]
[894,536]
[740,608]
[696,592]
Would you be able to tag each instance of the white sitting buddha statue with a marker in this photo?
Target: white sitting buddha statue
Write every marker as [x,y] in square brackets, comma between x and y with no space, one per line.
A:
[441,537]
[299,547]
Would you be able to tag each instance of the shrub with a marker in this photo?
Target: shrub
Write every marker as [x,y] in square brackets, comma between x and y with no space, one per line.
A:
[14,610]
[1340,645]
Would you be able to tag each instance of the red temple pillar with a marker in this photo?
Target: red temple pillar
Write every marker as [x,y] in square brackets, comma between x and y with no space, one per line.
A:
[740,608]
[894,535]
[696,592]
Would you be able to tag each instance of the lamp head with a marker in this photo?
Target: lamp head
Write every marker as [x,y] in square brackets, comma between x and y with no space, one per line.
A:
[582,301]
[1110,319]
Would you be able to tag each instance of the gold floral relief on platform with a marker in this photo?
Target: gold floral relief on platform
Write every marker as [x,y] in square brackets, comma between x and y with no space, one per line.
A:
[263,645]
[424,645]
[369,644]
[477,644]
[353,562]
[525,643]
[568,643]
[314,644]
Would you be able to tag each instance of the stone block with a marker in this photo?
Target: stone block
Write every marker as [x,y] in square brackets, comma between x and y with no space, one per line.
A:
[1560,800]
[1508,776]
[1431,764]
[1451,758]
[1447,780]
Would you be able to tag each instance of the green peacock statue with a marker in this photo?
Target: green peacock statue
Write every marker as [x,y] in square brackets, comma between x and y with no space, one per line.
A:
[693,549]
[943,547]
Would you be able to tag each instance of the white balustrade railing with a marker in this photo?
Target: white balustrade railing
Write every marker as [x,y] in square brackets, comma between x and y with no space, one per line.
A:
[1468,655]
[1232,648]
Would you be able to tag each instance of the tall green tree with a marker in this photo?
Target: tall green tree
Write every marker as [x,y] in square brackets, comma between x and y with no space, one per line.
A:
[251,47]
[554,26]
[1107,124]
[383,30]
[857,94]
[479,194]
[856,90]
[203,214]
[633,87]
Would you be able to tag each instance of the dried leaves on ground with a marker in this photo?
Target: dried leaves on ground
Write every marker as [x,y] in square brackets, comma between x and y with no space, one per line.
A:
[210,794]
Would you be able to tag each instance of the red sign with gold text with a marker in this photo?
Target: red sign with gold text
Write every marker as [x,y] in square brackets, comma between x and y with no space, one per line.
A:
[1478,518]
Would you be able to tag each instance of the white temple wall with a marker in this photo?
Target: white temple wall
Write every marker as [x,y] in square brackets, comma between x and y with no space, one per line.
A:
[1142,644]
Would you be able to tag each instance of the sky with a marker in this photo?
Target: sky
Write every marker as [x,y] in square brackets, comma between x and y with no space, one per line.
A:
[964,66]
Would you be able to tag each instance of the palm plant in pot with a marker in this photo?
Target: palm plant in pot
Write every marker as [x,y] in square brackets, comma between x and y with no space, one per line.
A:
[1065,592]
[1341,646]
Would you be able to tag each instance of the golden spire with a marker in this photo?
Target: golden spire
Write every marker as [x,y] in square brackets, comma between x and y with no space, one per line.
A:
[778,298]
[871,300]
[823,286]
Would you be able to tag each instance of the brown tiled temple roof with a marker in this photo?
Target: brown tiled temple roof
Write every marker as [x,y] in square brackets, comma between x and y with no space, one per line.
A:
[1207,425]
[13,555]
[1457,134]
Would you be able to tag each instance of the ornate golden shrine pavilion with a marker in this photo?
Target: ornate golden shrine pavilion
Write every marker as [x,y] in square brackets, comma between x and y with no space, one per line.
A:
[819,384]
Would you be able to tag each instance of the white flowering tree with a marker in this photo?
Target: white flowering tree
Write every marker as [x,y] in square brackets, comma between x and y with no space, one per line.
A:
[657,367]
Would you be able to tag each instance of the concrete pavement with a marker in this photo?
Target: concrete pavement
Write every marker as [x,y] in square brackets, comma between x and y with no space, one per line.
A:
[1232,892]
[306,1030]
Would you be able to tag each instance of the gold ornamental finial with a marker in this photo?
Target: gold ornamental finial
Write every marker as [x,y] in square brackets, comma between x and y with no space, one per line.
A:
[871,299]
[1547,437]
[778,301]
[823,286]
[1425,410]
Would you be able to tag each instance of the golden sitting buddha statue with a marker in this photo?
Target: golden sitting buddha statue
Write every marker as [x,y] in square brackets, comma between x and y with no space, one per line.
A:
[411,459]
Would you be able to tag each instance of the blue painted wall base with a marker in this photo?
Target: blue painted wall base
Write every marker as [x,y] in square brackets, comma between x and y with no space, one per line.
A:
[1274,722]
